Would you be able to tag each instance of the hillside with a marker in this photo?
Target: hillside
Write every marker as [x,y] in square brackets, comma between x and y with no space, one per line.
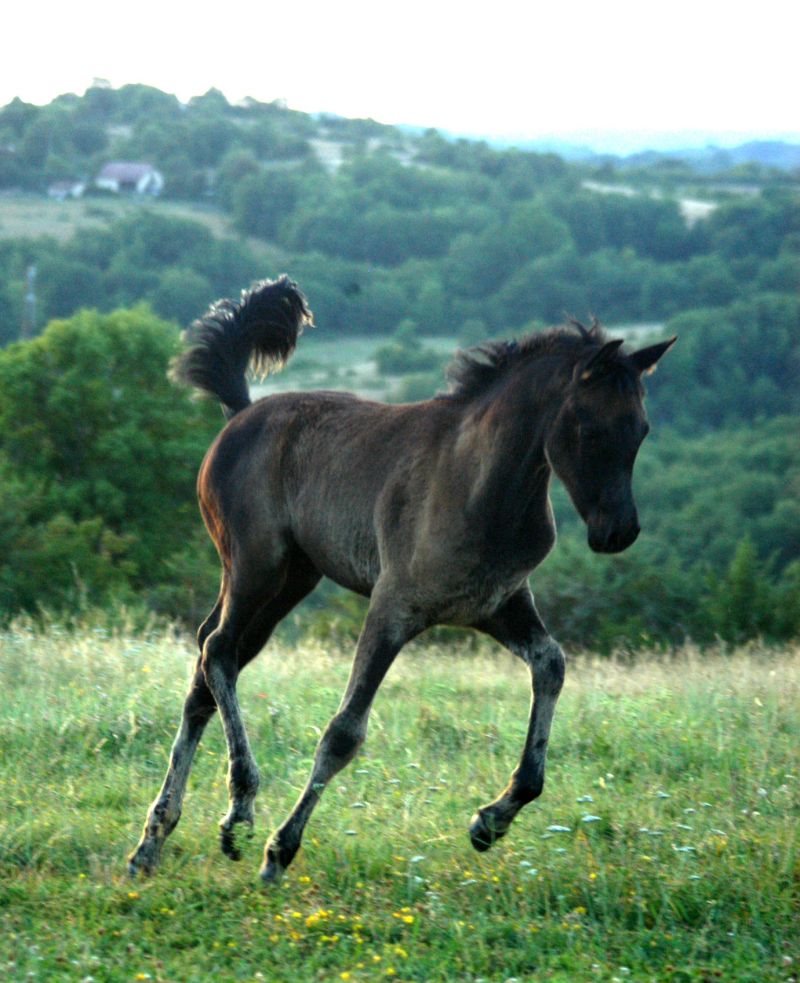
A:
[379,223]
[407,244]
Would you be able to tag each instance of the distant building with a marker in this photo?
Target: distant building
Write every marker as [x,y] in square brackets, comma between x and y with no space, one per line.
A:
[122,176]
[61,190]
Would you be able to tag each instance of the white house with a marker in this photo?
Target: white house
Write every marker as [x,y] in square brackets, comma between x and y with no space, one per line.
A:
[120,176]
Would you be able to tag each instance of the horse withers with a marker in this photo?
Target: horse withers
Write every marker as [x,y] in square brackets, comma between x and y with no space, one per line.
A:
[437,511]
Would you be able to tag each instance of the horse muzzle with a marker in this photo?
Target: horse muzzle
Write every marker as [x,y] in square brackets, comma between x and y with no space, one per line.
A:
[612,537]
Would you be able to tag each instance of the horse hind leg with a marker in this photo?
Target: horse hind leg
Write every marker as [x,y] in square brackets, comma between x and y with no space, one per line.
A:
[165,811]
[243,776]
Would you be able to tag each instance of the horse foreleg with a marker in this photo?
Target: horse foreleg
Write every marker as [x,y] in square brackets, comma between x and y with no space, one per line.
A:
[164,813]
[383,635]
[518,626]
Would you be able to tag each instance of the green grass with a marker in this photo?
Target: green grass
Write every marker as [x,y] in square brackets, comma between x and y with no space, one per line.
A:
[691,872]
[30,216]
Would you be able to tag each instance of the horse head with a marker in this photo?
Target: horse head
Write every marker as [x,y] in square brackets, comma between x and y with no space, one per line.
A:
[594,440]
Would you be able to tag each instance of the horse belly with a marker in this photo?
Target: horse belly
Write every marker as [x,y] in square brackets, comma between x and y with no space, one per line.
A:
[352,564]
[335,529]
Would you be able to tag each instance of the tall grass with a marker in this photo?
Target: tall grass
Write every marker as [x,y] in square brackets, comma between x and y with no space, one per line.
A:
[665,846]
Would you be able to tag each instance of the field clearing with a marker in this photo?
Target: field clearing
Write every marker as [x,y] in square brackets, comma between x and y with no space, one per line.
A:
[31,216]
[28,216]
[346,364]
[665,846]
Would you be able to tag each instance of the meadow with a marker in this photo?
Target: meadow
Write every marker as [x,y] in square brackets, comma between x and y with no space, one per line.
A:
[32,215]
[665,846]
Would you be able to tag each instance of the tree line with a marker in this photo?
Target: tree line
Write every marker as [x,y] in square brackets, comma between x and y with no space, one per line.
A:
[445,233]
[406,237]
[99,452]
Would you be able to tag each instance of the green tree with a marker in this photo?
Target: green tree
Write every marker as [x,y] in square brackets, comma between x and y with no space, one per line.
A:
[99,456]
[263,201]
[181,295]
[237,165]
[740,602]
[405,352]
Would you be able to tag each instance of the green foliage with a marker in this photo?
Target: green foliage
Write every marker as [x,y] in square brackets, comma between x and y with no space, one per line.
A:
[732,365]
[754,226]
[99,457]
[405,353]
[262,201]
[409,236]
[700,495]
[506,236]
[174,264]
[741,604]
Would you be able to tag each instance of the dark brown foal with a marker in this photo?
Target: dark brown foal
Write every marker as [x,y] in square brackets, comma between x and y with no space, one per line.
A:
[437,511]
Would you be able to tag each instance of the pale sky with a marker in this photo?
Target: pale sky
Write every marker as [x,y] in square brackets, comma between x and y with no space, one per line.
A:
[517,69]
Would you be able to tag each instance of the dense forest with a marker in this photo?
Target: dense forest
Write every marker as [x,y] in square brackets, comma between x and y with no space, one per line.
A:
[406,236]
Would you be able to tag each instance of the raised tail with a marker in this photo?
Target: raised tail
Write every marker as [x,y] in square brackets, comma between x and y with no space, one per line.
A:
[260,331]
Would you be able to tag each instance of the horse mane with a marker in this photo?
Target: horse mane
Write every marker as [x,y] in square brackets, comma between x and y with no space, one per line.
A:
[473,371]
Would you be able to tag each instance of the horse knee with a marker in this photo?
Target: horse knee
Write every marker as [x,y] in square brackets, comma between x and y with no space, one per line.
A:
[556,668]
[342,739]
[549,667]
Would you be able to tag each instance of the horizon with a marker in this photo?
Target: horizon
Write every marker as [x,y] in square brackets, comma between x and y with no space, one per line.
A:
[617,142]
[608,78]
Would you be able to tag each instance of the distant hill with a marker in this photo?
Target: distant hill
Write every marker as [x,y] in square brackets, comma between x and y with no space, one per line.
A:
[782,155]
[709,160]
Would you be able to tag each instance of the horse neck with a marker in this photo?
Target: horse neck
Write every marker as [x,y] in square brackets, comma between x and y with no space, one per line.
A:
[511,426]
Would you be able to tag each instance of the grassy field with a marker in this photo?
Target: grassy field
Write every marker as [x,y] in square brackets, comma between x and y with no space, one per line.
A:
[665,846]
[25,216]
[30,216]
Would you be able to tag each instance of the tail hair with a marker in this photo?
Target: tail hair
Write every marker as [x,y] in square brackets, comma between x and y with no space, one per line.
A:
[259,331]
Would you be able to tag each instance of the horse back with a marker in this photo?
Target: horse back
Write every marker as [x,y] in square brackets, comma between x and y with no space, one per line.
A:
[323,472]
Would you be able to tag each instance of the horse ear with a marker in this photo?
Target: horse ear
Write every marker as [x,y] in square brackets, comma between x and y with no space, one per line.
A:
[599,359]
[645,360]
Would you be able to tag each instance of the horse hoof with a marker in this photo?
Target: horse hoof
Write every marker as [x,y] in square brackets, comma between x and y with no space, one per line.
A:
[482,831]
[227,843]
[144,860]
[271,873]
[228,836]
